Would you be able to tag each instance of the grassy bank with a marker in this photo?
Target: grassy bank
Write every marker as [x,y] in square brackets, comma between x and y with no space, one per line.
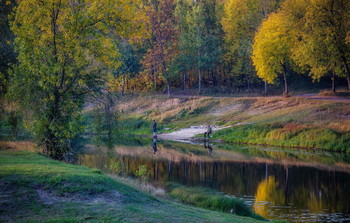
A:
[35,188]
[210,199]
[288,135]
[278,121]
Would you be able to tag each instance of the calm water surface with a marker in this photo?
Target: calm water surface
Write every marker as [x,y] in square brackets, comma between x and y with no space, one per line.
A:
[300,186]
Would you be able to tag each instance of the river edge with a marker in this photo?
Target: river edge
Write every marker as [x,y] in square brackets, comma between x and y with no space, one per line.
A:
[48,194]
[293,122]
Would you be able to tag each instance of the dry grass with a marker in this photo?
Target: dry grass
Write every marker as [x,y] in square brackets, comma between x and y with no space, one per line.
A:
[340,126]
[149,188]
[327,93]
[19,146]
[338,93]
[292,113]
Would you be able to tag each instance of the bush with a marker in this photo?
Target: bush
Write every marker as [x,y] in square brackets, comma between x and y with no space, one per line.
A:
[211,199]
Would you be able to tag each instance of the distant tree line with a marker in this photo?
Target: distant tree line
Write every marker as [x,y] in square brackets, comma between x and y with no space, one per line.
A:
[239,45]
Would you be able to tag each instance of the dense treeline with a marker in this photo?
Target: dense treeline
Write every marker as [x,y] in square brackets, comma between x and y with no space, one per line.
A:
[240,45]
[55,53]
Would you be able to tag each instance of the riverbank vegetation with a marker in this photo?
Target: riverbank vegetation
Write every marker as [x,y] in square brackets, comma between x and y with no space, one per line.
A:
[41,189]
[290,122]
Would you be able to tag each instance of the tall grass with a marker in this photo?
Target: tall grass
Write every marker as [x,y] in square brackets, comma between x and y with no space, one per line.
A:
[210,199]
[287,136]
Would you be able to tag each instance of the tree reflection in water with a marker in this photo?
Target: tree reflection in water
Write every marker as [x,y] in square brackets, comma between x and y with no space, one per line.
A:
[299,192]
[268,193]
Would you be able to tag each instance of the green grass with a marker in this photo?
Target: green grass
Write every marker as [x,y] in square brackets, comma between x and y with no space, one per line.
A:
[211,199]
[279,135]
[37,189]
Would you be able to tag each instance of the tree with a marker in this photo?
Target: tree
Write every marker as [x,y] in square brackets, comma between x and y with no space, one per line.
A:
[240,21]
[272,49]
[199,38]
[7,53]
[184,61]
[129,62]
[321,28]
[162,26]
[64,49]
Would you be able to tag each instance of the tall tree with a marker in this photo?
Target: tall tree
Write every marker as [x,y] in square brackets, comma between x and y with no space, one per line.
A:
[129,63]
[185,60]
[64,48]
[200,37]
[240,22]
[7,53]
[162,27]
[272,49]
[321,28]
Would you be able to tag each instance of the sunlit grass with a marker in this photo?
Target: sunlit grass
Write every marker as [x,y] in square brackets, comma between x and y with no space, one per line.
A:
[287,136]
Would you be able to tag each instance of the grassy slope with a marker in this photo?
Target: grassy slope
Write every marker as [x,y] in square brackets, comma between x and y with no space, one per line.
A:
[35,188]
[291,122]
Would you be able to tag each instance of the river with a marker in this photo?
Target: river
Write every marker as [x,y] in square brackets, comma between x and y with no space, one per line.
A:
[296,185]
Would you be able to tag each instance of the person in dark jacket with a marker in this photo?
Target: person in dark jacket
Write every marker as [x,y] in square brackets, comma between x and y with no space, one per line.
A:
[208,132]
[154,127]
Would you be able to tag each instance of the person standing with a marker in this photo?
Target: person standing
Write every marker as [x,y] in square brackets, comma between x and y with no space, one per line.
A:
[208,132]
[154,127]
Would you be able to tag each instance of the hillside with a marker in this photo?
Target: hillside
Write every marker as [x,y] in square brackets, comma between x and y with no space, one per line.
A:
[37,188]
[305,122]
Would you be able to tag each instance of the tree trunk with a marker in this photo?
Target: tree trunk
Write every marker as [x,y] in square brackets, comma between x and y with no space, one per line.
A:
[286,91]
[108,113]
[123,85]
[50,141]
[166,77]
[154,77]
[212,76]
[199,81]
[265,87]
[183,80]
[333,82]
[347,70]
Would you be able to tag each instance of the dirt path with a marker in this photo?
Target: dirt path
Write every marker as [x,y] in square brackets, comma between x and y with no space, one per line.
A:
[315,96]
[185,134]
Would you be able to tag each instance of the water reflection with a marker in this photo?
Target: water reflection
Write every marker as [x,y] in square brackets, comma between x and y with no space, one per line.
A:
[208,146]
[154,145]
[298,191]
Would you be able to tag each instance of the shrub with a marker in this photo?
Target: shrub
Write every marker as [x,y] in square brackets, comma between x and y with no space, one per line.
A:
[211,199]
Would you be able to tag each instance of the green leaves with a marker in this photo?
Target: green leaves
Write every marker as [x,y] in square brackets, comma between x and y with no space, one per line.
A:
[65,48]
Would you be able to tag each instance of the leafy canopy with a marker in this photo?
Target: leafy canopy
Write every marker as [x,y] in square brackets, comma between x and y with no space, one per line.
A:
[64,50]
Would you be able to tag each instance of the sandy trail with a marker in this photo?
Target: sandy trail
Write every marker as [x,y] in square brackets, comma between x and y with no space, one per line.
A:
[185,134]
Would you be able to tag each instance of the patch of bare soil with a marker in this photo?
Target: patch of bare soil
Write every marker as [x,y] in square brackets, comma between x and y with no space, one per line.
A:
[185,134]
[50,198]
[228,109]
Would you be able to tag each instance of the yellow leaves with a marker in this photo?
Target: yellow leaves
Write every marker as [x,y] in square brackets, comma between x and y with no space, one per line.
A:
[347,38]
[272,47]
[8,3]
[81,83]
[268,191]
